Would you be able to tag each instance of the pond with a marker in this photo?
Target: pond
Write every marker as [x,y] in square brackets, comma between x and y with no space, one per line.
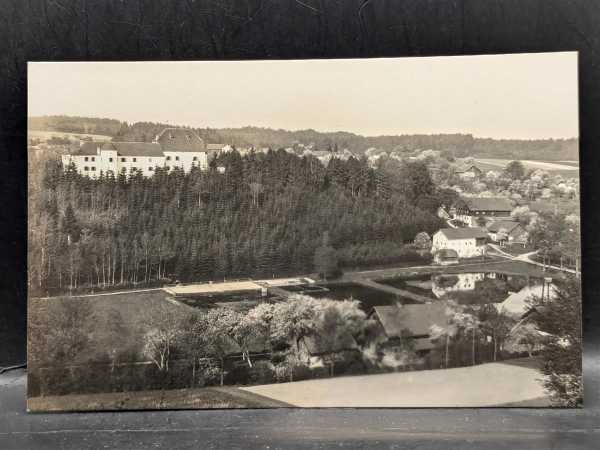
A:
[471,288]
[367,296]
[239,302]
[465,288]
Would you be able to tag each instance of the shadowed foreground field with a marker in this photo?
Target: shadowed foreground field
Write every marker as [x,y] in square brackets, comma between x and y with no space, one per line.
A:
[204,398]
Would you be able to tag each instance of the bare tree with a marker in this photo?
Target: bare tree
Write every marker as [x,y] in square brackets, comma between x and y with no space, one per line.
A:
[163,336]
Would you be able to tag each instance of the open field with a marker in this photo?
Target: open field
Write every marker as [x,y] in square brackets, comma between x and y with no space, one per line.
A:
[545,165]
[566,169]
[203,398]
[569,163]
[45,135]
[493,384]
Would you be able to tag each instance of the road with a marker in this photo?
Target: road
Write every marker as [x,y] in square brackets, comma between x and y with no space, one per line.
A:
[526,258]
[392,290]
[490,264]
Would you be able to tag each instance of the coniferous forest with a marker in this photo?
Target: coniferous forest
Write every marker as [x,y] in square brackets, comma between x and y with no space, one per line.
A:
[265,215]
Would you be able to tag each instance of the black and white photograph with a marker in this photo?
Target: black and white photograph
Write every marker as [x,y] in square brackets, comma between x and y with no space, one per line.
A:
[365,233]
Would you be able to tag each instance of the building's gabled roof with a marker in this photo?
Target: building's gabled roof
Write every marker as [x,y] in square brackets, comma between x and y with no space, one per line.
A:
[316,346]
[467,168]
[410,320]
[485,204]
[169,140]
[517,303]
[541,206]
[137,149]
[86,148]
[507,225]
[180,140]
[464,233]
[446,253]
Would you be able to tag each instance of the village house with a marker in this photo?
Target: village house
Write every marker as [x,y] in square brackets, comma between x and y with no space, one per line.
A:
[517,306]
[173,147]
[472,211]
[466,242]
[402,326]
[468,172]
[525,336]
[507,232]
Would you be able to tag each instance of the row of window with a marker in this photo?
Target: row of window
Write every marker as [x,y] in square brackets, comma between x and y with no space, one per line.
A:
[150,168]
[168,158]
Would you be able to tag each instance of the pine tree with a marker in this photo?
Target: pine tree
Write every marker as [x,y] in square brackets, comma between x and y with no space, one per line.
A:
[70,225]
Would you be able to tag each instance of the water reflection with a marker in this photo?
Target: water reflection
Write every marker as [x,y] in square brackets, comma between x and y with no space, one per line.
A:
[480,287]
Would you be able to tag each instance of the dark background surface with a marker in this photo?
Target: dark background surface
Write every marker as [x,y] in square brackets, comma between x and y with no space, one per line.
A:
[258,29]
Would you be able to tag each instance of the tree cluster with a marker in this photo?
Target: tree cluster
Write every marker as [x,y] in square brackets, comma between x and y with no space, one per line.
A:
[265,215]
[561,319]
[454,145]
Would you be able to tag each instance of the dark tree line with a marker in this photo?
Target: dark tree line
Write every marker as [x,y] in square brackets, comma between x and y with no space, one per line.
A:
[458,145]
[265,215]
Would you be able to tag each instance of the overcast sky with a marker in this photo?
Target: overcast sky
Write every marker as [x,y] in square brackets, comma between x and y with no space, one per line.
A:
[504,96]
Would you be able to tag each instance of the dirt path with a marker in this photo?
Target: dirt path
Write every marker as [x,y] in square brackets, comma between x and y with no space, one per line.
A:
[491,384]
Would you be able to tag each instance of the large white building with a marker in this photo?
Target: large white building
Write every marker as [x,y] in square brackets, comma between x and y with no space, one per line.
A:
[466,242]
[173,147]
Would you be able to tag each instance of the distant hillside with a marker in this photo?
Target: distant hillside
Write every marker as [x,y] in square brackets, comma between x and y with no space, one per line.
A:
[460,145]
[69,124]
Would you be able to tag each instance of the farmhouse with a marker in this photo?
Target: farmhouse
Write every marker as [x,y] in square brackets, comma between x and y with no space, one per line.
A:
[172,148]
[468,172]
[472,210]
[402,325]
[507,231]
[466,242]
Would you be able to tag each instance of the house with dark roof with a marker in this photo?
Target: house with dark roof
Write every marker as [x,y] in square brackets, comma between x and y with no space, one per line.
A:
[468,171]
[172,148]
[507,232]
[401,326]
[466,242]
[474,210]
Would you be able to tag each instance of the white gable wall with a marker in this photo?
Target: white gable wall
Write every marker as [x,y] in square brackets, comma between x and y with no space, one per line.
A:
[466,248]
[186,160]
[108,162]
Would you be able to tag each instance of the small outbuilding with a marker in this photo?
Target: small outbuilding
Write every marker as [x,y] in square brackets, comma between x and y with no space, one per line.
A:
[507,231]
[446,256]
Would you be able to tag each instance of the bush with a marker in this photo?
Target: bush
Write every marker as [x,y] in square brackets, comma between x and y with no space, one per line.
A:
[262,372]
[381,253]
[352,364]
